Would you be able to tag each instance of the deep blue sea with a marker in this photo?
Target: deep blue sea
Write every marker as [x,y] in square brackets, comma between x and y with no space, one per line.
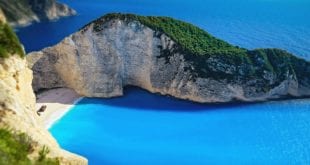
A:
[147,129]
[247,23]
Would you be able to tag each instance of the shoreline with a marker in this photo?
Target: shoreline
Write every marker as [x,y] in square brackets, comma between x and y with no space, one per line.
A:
[58,103]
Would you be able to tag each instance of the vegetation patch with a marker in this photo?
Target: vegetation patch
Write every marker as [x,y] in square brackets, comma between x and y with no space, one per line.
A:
[192,39]
[9,43]
[15,148]
[215,58]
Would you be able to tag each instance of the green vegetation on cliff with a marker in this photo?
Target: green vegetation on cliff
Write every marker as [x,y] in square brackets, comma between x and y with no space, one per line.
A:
[15,148]
[212,57]
[192,39]
[9,43]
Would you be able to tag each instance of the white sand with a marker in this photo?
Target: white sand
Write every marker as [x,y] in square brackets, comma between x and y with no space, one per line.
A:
[58,101]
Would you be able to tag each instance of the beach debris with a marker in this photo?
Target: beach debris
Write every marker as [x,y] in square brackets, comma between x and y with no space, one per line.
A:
[41,110]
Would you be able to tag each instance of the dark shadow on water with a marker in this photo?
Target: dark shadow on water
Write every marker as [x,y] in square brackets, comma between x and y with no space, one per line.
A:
[137,98]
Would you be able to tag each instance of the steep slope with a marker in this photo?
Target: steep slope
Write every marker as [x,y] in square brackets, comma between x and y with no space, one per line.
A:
[2,17]
[20,127]
[166,56]
[24,12]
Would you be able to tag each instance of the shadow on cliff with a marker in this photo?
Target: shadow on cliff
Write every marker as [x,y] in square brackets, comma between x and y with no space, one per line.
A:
[137,98]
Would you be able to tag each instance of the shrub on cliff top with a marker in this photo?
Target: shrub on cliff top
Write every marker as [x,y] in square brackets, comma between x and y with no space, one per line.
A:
[192,39]
[9,43]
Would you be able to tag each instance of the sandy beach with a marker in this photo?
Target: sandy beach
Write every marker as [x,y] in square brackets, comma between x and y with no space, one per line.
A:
[58,102]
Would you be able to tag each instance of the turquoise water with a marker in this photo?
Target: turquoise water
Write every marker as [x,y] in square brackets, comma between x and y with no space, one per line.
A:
[247,23]
[144,128]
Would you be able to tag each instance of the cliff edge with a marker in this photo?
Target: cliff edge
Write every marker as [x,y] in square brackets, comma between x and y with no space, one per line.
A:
[24,140]
[24,12]
[166,56]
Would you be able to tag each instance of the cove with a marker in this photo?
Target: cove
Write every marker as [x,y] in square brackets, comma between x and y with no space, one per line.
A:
[145,128]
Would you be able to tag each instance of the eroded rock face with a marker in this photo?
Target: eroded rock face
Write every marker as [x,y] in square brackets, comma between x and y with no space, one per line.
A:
[99,60]
[24,12]
[17,109]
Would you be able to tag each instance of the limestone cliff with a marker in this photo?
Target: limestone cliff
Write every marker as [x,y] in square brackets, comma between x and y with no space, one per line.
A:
[2,17]
[24,12]
[17,102]
[17,110]
[166,56]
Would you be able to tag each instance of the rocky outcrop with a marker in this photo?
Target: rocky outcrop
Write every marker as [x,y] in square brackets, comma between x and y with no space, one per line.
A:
[24,12]
[17,110]
[116,51]
[17,106]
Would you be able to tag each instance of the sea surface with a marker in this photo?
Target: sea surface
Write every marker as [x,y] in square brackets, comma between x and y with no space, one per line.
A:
[144,128]
[247,23]
[147,129]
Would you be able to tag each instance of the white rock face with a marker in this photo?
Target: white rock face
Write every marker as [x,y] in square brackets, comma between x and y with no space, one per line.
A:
[99,63]
[17,109]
